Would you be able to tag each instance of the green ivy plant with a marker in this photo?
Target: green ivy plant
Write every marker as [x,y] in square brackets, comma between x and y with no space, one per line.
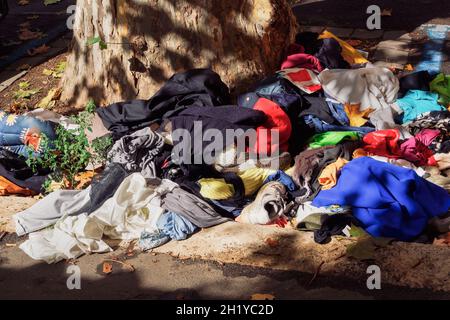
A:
[70,152]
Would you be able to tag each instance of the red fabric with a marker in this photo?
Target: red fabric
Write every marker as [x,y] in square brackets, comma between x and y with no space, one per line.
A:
[383,143]
[277,120]
[302,60]
[415,150]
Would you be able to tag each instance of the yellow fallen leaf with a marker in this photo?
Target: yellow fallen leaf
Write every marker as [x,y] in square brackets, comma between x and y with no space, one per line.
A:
[52,95]
[83,178]
[39,50]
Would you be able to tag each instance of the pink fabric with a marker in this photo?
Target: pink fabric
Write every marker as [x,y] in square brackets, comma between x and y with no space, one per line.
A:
[302,60]
[277,120]
[416,149]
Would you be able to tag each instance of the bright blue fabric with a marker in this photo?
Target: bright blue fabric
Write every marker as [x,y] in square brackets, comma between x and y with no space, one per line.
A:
[417,102]
[282,177]
[388,200]
[175,226]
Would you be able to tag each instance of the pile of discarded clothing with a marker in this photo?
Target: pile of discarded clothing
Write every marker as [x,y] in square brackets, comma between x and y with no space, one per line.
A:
[351,145]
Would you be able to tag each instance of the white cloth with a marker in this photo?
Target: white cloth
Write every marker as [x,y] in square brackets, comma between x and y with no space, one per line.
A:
[374,88]
[135,207]
[401,163]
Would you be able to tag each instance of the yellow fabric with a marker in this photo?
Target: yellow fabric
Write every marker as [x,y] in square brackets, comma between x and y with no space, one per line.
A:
[328,177]
[290,171]
[350,54]
[215,189]
[357,118]
[254,178]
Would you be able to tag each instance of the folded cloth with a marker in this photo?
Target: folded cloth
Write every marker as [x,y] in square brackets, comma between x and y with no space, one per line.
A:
[374,88]
[331,138]
[302,60]
[389,201]
[329,176]
[417,102]
[304,79]
[310,163]
[137,151]
[277,123]
[196,87]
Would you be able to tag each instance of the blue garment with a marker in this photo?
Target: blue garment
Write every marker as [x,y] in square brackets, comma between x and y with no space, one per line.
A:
[20,133]
[338,112]
[417,102]
[388,200]
[170,226]
[234,211]
[150,240]
[282,177]
[175,226]
[321,126]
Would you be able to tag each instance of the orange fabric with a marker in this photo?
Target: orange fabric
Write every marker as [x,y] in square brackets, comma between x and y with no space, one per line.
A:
[350,54]
[357,118]
[329,176]
[8,188]
[360,152]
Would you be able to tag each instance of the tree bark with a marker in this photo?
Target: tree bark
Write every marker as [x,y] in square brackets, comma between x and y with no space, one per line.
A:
[150,40]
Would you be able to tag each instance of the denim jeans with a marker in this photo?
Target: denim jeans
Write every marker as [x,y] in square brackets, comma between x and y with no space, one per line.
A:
[320,126]
[19,133]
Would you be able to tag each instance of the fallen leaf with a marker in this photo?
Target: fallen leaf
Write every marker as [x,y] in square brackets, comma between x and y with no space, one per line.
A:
[387,12]
[272,242]
[24,92]
[107,268]
[408,67]
[83,178]
[39,50]
[354,42]
[48,2]
[262,296]
[23,2]
[51,97]
[26,34]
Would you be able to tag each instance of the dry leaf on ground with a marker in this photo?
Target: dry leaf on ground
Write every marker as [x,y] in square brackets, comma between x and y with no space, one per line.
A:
[262,296]
[39,50]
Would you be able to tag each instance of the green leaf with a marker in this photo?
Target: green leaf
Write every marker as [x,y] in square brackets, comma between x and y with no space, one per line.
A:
[103,45]
[24,85]
[93,40]
[48,2]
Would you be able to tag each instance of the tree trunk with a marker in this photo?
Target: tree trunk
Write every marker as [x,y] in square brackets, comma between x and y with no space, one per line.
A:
[150,40]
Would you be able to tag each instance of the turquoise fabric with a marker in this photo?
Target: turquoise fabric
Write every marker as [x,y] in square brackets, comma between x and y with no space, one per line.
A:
[417,102]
